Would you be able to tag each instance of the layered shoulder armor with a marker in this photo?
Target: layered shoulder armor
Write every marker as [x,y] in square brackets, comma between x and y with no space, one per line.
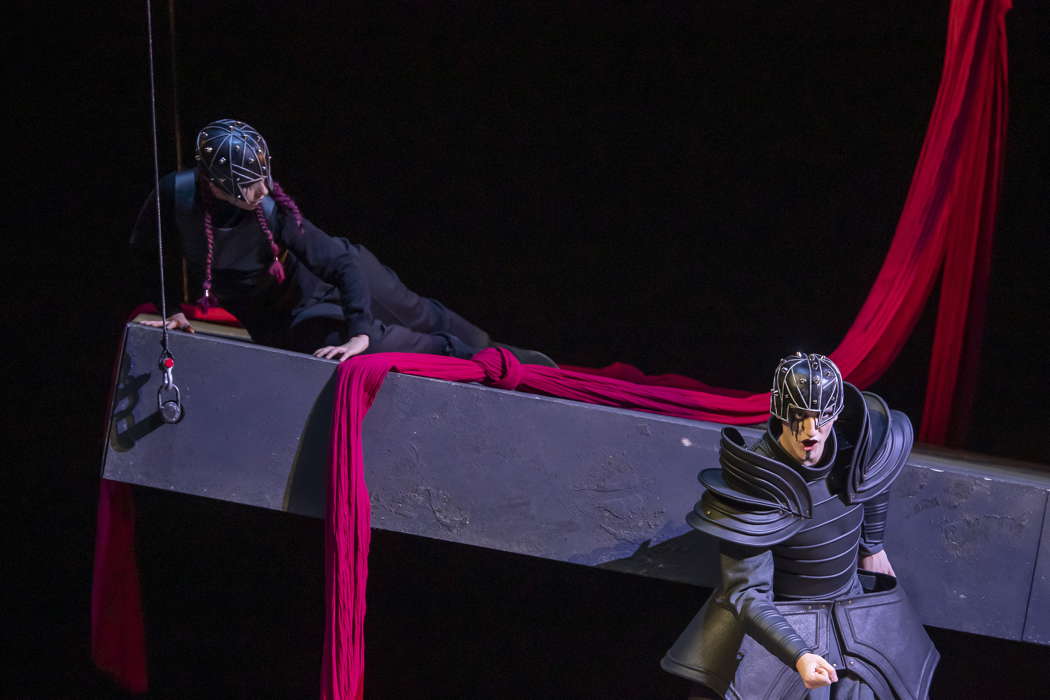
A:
[882,439]
[752,500]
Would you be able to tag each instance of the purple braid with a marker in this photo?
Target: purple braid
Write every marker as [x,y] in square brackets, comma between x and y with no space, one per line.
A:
[288,203]
[208,199]
[276,268]
[282,198]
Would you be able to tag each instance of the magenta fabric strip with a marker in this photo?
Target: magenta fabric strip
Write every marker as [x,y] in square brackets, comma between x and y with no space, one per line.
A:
[947,218]
[118,639]
[977,36]
[348,519]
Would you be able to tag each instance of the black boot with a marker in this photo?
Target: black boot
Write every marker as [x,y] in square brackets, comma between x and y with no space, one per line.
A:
[528,357]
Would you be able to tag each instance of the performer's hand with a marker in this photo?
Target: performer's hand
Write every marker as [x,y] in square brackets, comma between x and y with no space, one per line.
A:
[176,322]
[355,346]
[815,671]
[878,562]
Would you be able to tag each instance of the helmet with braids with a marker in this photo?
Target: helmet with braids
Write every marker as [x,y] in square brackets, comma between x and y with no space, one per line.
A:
[232,155]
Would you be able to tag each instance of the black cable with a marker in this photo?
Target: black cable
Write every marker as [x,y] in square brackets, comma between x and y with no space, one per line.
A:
[169,398]
[156,184]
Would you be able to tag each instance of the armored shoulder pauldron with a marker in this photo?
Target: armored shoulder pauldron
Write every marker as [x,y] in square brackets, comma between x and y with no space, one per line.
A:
[882,442]
[758,501]
[752,499]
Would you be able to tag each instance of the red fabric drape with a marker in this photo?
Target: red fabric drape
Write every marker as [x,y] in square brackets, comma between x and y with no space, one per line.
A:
[948,217]
[979,34]
[118,639]
[348,522]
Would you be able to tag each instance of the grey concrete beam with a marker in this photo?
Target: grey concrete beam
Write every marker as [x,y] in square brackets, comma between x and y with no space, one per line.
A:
[550,478]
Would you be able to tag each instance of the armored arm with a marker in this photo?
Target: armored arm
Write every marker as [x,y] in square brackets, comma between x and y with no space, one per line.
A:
[886,440]
[747,587]
[872,553]
[873,530]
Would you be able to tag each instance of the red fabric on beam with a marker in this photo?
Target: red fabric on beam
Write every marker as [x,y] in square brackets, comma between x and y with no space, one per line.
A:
[348,522]
[193,312]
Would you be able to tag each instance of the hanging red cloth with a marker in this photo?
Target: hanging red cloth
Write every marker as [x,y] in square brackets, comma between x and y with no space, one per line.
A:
[118,639]
[948,218]
[348,520]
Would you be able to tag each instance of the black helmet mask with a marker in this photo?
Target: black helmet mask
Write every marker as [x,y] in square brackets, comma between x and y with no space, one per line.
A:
[232,155]
[809,383]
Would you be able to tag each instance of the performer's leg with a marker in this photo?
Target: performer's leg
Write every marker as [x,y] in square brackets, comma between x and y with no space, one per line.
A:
[395,304]
[464,329]
[393,338]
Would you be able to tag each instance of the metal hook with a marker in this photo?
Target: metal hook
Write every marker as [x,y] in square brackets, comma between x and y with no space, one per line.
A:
[171,410]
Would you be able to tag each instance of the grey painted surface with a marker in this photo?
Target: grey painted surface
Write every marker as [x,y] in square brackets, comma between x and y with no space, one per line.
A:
[964,546]
[1037,626]
[240,439]
[547,477]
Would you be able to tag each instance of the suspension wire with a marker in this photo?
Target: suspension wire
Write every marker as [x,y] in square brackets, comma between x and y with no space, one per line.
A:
[169,398]
[156,183]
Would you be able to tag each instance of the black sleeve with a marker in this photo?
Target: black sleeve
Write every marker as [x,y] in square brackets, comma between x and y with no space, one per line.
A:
[747,585]
[144,248]
[873,530]
[337,262]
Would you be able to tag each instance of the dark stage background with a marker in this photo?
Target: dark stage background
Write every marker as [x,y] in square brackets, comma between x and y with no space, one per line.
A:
[693,188]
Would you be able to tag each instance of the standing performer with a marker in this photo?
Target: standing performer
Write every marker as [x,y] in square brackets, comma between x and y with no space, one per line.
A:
[290,284]
[793,614]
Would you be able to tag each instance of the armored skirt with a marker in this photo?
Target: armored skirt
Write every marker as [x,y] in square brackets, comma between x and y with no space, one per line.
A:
[872,638]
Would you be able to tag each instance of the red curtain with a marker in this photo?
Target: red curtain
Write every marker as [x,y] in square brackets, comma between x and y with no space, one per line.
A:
[948,219]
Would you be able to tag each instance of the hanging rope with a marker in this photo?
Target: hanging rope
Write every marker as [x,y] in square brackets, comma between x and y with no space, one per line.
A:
[169,399]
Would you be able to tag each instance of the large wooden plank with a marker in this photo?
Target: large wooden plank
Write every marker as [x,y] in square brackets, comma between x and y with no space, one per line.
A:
[547,477]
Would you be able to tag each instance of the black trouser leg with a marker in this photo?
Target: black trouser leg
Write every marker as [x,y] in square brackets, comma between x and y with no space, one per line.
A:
[396,305]
[400,339]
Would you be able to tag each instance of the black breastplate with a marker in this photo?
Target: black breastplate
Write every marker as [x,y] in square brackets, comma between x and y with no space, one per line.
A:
[820,559]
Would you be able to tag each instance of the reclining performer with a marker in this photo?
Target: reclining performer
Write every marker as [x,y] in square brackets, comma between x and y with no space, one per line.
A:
[248,248]
[793,617]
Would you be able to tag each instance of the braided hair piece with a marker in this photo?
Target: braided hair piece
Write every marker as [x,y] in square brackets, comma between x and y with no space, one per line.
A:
[276,269]
[208,200]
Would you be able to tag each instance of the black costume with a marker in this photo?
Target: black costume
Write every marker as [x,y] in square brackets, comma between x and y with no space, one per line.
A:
[792,533]
[334,289]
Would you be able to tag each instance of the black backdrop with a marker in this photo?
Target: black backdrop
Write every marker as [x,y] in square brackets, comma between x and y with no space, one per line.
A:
[693,188]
